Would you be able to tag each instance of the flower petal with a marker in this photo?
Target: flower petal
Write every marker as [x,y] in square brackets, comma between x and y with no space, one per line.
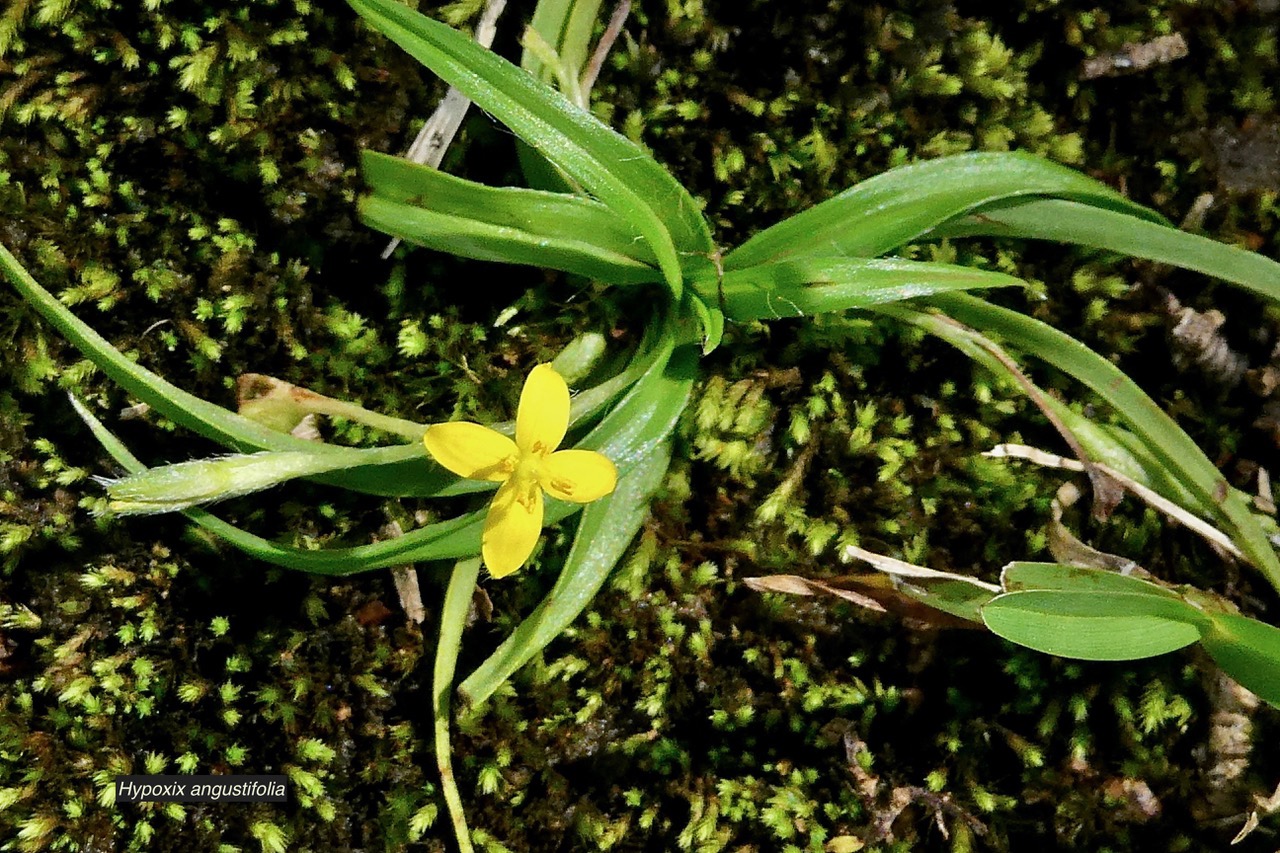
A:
[512,527]
[543,416]
[472,451]
[577,475]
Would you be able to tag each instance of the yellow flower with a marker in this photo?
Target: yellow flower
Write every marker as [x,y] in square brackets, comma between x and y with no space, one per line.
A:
[525,467]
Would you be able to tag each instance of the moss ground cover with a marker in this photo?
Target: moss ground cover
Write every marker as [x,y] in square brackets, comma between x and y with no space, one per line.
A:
[184,175]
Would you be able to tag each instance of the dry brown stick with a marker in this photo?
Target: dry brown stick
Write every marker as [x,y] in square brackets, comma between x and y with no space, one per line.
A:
[611,33]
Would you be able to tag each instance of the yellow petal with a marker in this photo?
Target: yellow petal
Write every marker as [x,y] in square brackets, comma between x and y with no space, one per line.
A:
[512,526]
[543,416]
[577,475]
[472,451]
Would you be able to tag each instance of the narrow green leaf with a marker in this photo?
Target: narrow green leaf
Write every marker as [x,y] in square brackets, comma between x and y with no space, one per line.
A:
[550,17]
[1093,625]
[710,319]
[214,422]
[1019,577]
[1248,651]
[612,168]
[1159,433]
[1114,230]
[576,39]
[482,241]
[567,26]
[813,285]
[649,411]
[400,471]
[1128,458]
[555,217]
[897,206]
[1121,450]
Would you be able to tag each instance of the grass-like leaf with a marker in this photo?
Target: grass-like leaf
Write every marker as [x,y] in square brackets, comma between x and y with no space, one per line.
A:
[431,208]
[1158,432]
[214,422]
[615,170]
[453,621]
[1114,230]
[893,208]
[469,238]
[815,284]
[186,484]
[399,472]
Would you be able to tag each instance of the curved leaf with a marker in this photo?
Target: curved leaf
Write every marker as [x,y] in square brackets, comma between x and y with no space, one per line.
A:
[898,206]
[453,621]
[813,285]
[541,221]
[1116,231]
[483,241]
[170,488]
[184,409]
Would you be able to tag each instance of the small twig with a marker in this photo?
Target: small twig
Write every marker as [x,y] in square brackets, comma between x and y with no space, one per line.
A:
[1132,58]
[405,578]
[1163,504]
[611,33]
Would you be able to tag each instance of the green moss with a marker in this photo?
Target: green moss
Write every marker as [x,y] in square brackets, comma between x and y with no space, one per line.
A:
[183,174]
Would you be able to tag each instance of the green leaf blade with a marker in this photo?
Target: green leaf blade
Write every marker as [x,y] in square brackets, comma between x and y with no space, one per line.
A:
[1112,230]
[1102,626]
[1158,432]
[1248,651]
[552,215]
[1019,577]
[896,207]
[815,285]
[184,409]
[483,241]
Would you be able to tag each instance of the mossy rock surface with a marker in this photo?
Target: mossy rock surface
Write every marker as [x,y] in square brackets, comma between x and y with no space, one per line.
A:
[184,173]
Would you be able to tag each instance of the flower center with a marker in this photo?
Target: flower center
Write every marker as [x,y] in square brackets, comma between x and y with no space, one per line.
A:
[526,478]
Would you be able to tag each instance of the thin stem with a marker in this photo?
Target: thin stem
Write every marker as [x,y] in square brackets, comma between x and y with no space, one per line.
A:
[453,619]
